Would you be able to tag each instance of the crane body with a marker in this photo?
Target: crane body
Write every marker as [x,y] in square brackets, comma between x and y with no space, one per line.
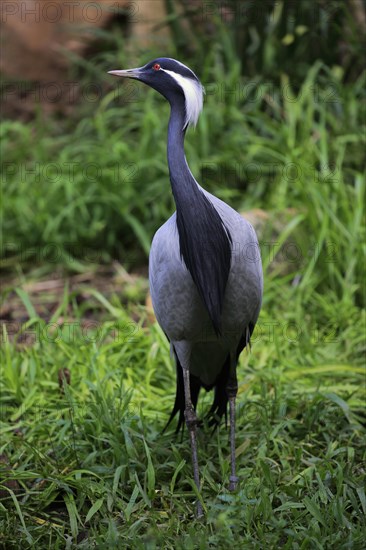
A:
[182,314]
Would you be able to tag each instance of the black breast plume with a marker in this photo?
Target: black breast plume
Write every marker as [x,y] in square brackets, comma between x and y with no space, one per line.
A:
[205,246]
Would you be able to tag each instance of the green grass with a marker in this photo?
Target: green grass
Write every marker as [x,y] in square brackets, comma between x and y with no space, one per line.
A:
[86,465]
[100,182]
[92,466]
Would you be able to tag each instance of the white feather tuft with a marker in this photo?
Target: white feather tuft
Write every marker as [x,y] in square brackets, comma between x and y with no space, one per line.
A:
[193,93]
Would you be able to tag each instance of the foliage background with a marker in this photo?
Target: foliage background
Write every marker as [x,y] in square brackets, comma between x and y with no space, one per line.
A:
[87,382]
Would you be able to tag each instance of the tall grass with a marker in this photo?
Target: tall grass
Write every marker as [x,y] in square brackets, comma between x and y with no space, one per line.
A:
[104,185]
[87,464]
[84,463]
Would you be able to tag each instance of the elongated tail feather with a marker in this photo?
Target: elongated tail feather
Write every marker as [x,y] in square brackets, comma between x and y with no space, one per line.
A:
[219,405]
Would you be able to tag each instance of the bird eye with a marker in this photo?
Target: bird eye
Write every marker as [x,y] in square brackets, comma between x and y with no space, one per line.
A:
[156,67]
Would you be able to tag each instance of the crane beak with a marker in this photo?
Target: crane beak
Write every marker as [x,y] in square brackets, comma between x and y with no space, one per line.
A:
[129,73]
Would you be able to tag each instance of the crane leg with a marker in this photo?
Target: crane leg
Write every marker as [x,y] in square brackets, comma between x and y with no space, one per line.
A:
[232,390]
[191,422]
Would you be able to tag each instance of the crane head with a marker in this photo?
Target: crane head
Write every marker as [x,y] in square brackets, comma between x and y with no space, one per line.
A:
[174,81]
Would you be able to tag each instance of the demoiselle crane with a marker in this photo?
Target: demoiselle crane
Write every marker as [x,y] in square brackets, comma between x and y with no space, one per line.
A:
[205,270]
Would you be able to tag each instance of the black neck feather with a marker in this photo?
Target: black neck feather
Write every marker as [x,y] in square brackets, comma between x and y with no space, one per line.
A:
[205,242]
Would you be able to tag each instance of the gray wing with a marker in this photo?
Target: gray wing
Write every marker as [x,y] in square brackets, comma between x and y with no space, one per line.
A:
[182,315]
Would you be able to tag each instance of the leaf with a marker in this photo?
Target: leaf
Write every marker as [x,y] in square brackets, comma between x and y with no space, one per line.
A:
[27,303]
[21,517]
[339,370]
[113,310]
[140,232]
[314,510]
[289,506]
[175,475]
[361,495]
[131,504]
[116,477]
[267,473]
[73,515]
[342,404]
[130,448]
[142,491]
[150,473]
[94,509]
[243,447]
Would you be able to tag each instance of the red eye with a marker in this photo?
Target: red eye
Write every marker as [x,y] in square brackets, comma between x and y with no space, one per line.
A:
[156,67]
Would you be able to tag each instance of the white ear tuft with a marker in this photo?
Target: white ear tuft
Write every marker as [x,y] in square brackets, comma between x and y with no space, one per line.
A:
[193,93]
